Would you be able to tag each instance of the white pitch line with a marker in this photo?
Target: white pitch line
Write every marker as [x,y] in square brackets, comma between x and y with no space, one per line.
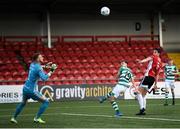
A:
[126,117]
[99,115]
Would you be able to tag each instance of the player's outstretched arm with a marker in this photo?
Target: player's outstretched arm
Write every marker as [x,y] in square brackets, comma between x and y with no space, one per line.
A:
[45,76]
[119,72]
[144,60]
[52,69]
[176,72]
[133,82]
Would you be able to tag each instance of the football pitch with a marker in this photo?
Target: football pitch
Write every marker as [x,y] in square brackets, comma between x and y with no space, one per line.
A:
[91,114]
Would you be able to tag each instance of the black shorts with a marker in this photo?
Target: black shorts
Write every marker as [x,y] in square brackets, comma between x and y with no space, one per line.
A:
[147,82]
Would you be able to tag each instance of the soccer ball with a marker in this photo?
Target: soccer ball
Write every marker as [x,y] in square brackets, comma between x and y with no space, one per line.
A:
[105,11]
[54,66]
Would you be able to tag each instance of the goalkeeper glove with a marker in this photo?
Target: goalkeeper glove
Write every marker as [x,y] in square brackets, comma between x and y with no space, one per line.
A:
[53,67]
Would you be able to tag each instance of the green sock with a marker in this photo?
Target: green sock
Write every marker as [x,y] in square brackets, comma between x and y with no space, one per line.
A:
[108,96]
[115,106]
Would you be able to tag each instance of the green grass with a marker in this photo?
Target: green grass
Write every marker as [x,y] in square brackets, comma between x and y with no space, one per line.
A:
[55,115]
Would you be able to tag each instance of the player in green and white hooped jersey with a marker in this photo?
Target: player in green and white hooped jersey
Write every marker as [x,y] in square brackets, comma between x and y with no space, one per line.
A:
[170,71]
[125,76]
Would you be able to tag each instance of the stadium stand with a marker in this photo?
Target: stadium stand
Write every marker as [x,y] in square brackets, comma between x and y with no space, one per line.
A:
[92,62]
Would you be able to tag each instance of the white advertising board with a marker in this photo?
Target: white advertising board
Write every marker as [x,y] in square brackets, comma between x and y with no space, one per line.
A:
[13,93]
[10,93]
[158,94]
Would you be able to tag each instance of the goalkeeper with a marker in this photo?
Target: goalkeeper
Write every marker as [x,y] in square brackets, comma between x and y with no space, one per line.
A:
[30,87]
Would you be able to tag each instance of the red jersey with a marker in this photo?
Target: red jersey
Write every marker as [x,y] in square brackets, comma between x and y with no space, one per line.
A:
[154,66]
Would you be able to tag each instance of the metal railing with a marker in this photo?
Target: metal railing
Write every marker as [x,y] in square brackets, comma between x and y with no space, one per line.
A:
[72,81]
[92,38]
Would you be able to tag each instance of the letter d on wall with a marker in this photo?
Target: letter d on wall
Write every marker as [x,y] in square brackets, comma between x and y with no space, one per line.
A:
[138,26]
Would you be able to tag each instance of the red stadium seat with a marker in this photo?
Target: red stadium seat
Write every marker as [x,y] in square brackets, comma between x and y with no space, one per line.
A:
[78,60]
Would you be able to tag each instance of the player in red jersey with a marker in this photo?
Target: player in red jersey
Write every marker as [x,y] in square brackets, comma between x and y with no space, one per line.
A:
[151,77]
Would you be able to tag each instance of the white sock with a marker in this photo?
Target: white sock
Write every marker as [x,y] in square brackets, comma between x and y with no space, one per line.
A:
[140,100]
[144,102]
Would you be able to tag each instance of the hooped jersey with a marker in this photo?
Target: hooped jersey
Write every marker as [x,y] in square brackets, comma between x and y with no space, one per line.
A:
[154,66]
[169,70]
[125,76]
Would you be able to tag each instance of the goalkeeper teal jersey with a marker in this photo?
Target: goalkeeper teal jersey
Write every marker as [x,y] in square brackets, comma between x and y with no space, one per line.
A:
[35,73]
[169,70]
[125,76]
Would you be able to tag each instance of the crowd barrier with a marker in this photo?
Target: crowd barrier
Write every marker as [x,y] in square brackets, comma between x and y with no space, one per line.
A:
[13,93]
